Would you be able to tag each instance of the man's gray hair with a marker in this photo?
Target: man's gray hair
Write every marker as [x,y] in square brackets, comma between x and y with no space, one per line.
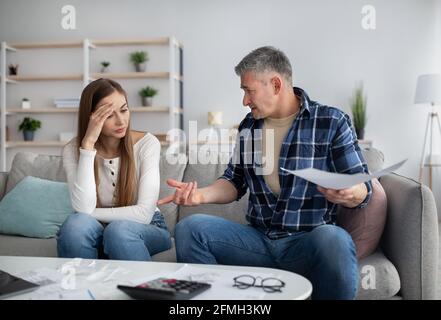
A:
[266,59]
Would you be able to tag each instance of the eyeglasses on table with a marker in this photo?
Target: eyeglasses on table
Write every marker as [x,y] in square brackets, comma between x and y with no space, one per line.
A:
[269,285]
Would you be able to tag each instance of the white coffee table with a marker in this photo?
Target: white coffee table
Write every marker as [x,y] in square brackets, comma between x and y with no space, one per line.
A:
[296,286]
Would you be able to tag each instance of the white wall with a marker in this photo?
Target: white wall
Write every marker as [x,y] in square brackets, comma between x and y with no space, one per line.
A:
[329,50]
[437,38]
[437,68]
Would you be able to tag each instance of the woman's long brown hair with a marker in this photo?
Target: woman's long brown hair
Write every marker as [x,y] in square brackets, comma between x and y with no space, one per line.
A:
[125,193]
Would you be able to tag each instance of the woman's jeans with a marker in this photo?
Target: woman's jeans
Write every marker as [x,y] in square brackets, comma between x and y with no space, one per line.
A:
[326,255]
[81,235]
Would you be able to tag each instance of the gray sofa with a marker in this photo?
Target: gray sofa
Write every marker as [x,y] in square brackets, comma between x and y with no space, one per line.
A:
[405,262]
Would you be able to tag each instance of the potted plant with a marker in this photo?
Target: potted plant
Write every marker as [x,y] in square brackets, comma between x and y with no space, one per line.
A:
[147,95]
[25,103]
[29,126]
[358,108]
[139,58]
[104,66]
[13,69]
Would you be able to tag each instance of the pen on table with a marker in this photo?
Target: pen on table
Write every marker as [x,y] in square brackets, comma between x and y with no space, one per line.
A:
[91,294]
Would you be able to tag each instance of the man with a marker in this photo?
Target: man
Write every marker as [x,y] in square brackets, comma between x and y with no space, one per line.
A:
[290,219]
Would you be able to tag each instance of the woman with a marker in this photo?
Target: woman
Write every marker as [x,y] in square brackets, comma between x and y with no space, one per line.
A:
[113,177]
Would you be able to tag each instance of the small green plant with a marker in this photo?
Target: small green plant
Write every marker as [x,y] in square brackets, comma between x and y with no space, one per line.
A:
[13,69]
[139,57]
[25,99]
[104,66]
[29,124]
[358,108]
[148,92]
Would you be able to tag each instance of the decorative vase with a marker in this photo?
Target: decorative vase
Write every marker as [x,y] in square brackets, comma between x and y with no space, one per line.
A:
[140,67]
[104,69]
[360,133]
[28,135]
[147,101]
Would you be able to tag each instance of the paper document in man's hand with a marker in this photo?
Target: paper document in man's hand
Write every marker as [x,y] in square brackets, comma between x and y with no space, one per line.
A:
[338,181]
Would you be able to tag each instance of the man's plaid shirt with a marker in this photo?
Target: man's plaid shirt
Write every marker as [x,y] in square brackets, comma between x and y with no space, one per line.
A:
[320,137]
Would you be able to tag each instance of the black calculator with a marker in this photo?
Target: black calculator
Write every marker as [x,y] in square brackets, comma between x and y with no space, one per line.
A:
[165,289]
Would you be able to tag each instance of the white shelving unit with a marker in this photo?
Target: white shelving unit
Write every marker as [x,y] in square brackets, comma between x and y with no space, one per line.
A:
[170,110]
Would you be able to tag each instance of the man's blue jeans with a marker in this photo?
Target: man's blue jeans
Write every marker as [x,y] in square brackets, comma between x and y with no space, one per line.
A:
[83,236]
[326,255]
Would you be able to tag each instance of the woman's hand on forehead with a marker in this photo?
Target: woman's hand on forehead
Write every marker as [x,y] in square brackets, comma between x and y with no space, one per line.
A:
[106,105]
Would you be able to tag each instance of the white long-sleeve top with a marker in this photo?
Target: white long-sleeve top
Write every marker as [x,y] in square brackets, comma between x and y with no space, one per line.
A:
[81,180]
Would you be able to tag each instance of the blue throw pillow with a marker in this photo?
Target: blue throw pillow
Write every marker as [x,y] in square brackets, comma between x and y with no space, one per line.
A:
[35,208]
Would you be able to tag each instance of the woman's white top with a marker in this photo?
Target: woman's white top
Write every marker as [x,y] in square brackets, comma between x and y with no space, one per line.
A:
[81,180]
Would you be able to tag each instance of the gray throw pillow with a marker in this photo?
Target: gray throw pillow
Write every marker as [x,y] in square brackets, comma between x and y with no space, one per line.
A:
[42,166]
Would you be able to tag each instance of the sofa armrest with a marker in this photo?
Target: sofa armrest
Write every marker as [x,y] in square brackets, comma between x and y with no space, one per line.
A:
[410,238]
[3,179]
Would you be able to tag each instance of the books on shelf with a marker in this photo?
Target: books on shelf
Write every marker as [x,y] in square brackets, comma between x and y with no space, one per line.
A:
[67,103]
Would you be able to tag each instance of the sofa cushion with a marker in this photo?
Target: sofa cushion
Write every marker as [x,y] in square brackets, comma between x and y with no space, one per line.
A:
[30,247]
[379,278]
[35,208]
[366,225]
[374,159]
[37,165]
[3,180]
[169,170]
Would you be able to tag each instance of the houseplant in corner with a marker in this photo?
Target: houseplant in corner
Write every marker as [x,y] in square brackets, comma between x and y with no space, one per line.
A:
[147,95]
[358,109]
[139,58]
[29,126]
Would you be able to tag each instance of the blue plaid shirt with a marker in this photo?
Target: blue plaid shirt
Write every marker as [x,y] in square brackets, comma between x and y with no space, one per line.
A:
[320,137]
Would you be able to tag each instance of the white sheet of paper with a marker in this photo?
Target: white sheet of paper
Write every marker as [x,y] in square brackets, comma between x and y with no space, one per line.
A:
[41,276]
[93,280]
[331,180]
[54,292]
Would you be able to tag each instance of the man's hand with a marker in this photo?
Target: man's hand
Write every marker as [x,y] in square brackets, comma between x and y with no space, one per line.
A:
[350,197]
[186,194]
